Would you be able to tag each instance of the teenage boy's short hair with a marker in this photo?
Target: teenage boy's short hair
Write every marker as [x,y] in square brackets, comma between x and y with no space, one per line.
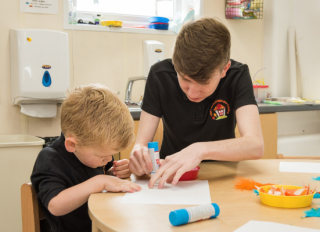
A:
[202,47]
[96,116]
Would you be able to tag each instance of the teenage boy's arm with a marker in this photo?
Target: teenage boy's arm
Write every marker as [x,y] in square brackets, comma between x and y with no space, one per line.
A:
[140,162]
[72,198]
[248,146]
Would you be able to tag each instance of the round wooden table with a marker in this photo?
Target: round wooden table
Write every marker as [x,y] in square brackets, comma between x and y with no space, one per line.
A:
[237,206]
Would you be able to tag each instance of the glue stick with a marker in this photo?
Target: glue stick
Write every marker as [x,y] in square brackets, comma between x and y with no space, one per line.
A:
[153,150]
[192,214]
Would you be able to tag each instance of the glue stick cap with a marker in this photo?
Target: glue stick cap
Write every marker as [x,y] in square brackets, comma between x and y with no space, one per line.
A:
[153,145]
[216,210]
[184,216]
[179,217]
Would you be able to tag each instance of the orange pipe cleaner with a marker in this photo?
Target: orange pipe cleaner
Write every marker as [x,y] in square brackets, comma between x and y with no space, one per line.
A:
[247,184]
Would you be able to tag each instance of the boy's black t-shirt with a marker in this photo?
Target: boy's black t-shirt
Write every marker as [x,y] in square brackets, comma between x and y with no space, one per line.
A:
[55,170]
[186,122]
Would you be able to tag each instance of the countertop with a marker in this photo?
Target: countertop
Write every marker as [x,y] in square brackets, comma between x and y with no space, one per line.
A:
[263,108]
[289,107]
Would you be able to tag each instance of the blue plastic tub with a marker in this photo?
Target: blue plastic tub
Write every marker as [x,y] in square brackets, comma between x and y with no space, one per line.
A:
[159,26]
[157,19]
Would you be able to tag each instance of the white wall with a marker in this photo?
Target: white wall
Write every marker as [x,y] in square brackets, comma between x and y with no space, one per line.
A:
[307,21]
[297,131]
[304,19]
[106,57]
[276,22]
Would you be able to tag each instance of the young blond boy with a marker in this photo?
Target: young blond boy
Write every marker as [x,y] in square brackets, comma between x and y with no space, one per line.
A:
[95,125]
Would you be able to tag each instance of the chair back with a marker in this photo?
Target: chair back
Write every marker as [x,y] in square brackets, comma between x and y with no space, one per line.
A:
[30,210]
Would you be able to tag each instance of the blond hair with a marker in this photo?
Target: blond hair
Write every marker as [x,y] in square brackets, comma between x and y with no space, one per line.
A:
[95,116]
[202,47]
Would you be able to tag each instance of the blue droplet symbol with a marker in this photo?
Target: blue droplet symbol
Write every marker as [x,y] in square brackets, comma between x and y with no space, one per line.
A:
[46,79]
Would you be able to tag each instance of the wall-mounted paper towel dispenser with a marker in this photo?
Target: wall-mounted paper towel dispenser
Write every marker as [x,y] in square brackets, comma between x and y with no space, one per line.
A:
[153,52]
[39,70]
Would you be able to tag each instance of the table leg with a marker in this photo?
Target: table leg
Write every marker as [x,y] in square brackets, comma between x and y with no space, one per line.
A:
[95,228]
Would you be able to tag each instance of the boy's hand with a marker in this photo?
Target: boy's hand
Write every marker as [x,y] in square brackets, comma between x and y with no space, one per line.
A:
[115,184]
[121,169]
[72,198]
[140,161]
[175,165]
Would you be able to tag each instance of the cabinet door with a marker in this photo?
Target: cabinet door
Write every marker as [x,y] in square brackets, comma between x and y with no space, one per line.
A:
[269,126]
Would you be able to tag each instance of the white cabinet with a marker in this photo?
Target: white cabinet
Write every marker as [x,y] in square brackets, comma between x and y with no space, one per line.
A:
[17,156]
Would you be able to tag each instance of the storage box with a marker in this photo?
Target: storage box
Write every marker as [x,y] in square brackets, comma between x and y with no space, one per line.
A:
[285,201]
[18,154]
[260,92]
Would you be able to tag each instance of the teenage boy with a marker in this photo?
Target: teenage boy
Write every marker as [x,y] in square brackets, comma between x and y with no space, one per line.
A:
[200,95]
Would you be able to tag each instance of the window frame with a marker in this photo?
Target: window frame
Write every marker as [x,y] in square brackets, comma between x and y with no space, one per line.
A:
[127,18]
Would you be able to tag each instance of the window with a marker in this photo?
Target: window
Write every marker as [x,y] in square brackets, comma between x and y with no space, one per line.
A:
[133,15]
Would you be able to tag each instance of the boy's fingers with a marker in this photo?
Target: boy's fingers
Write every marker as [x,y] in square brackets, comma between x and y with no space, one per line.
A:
[132,187]
[111,169]
[177,176]
[167,173]
[137,156]
[164,178]
[170,179]
[147,161]
[121,162]
[156,176]
[122,167]
[136,187]
[142,160]
[123,174]
[135,167]
[161,162]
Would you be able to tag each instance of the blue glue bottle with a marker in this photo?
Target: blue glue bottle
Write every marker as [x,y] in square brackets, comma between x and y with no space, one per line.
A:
[183,216]
[153,149]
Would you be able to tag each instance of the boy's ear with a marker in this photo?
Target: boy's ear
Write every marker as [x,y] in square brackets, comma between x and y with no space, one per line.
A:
[70,144]
[225,69]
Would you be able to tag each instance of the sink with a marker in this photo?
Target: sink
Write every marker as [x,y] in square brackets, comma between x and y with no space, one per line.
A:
[135,111]
[132,104]
[134,107]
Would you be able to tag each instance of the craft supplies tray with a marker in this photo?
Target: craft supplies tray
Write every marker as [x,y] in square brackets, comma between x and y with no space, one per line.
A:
[285,201]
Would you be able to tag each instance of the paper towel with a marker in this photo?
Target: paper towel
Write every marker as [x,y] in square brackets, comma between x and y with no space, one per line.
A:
[39,110]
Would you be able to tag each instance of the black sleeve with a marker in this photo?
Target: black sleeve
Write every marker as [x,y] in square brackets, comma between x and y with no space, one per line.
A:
[151,98]
[244,90]
[109,165]
[47,177]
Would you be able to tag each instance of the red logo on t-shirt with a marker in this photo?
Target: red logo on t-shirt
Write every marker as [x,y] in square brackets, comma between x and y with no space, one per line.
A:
[219,110]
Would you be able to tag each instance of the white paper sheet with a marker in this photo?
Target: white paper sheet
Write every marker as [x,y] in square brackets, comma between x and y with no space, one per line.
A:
[185,193]
[304,167]
[261,226]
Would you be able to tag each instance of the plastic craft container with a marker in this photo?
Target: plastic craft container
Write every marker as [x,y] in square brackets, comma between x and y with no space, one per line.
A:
[160,23]
[111,23]
[159,26]
[157,19]
[260,92]
[190,175]
[284,201]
